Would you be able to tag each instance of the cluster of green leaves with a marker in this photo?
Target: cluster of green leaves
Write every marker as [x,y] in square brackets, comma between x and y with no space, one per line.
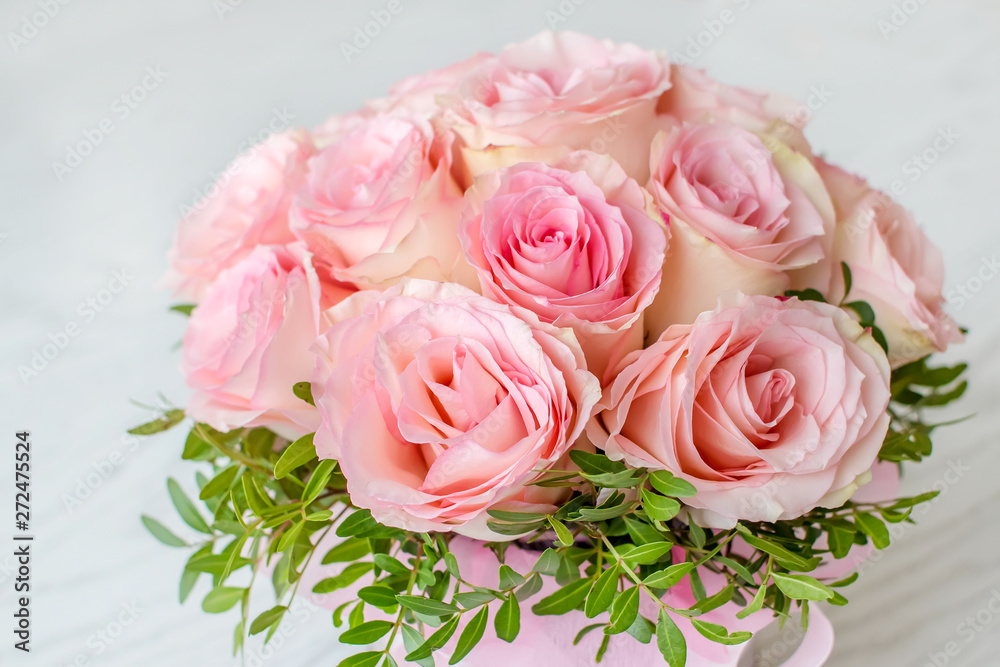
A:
[916,387]
[620,538]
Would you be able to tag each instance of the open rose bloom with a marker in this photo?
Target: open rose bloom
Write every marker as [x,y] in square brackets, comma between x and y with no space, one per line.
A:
[521,293]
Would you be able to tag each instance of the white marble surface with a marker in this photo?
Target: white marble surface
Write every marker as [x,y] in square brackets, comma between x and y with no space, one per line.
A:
[223,75]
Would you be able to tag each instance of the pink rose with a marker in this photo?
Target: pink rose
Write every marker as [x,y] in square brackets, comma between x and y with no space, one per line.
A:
[564,88]
[421,94]
[249,341]
[697,98]
[379,202]
[894,267]
[440,404]
[249,207]
[745,209]
[578,243]
[769,407]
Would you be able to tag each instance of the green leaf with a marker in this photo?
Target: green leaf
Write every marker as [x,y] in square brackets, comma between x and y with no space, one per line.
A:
[366,659]
[318,481]
[350,550]
[257,499]
[359,522]
[864,311]
[189,513]
[509,578]
[412,640]
[188,580]
[714,601]
[438,639]
[426,606]
[196,449]
[516,517]
[508,619]
[222,599]
[801,587]
[846,272]
[783,556]
[595,464]
[613,507]
[565,599]
[379,596]
[473,599]
[390,564]
[366,633]
[935,400]
[298,453]
[351,573]
[471,635]
[840,541]
[642,629]
[719,634]
[624,611]
[303,391]
[162,533]
[615,480]
[169,420]
[873,528]
[904,503]
[647,553]
[512,529]
[669,576]
[603,592]
[939,377]
[659,507]
[547,563]
[220,483]
[756,604]
[670,640]
[696,533]
[805,295]
[267,619]
[669,485]
[584,631]
[847,581]
[565,537]
[183,308]
[738,568]
[641,532]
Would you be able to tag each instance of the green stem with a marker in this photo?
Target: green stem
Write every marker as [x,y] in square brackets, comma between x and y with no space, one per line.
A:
[409,589]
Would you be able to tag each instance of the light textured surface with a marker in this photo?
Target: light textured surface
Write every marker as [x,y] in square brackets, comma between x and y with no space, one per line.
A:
[887,97]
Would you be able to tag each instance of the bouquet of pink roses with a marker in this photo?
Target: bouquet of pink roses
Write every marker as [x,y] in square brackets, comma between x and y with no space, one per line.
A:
[567,350]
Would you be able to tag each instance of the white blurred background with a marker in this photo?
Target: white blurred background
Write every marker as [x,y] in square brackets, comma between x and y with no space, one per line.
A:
[166,93]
